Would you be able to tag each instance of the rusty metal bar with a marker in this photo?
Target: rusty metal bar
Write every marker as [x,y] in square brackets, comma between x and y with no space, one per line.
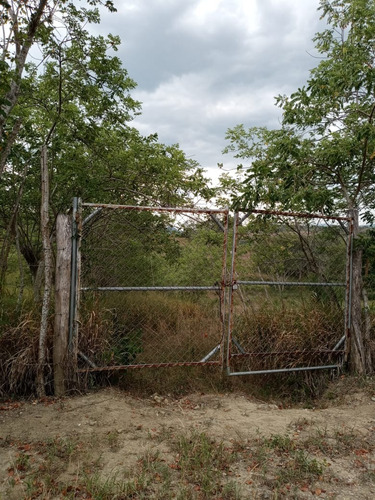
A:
[159,209]
[149,365]
[297,214]
[148,288]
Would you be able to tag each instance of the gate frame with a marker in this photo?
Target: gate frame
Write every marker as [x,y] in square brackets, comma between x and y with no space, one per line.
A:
[226,288]
[348,290]
[76,289]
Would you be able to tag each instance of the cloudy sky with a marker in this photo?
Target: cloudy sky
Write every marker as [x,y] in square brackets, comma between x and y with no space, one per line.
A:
[203,66]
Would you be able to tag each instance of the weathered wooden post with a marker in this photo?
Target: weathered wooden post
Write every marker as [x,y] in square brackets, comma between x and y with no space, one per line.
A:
[62,300]
[360,350]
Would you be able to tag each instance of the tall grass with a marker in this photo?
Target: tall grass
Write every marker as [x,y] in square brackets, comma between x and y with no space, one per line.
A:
[285,330]
[19,354]
[149,328]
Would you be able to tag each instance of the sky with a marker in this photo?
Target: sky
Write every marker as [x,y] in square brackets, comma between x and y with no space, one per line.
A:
[203,66]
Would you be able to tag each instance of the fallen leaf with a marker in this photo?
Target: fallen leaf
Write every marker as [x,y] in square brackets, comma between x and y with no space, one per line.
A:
[360,452]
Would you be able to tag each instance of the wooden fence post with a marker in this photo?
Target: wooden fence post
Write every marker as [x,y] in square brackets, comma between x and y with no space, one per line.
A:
[62,299]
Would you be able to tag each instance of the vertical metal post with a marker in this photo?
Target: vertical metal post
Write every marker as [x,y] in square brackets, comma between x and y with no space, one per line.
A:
[223,289]
[74,275]
[231,290]
[348,291]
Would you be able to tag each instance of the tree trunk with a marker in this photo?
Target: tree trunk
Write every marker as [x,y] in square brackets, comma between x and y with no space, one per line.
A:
[47,254]
[367,331]
[24,42]
[62,299]
[38,281]
[21,271]
[360,359]
[5,249]
[11,232]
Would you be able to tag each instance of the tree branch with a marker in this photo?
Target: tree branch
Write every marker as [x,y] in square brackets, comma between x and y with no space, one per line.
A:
[364,157]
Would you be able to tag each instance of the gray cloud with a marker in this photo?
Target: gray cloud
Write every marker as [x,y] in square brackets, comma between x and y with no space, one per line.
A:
[205,65]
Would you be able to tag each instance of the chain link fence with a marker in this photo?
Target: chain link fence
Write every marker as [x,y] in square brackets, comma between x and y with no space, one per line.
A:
[159,287]
[152,286]
[291,292]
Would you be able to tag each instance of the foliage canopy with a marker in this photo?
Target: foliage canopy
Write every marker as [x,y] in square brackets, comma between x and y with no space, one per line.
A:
[323,156]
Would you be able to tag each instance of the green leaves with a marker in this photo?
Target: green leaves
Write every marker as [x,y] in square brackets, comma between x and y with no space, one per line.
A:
[323,156]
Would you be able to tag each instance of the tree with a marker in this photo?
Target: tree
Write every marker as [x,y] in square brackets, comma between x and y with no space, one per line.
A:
[322,158]
[74,106]
[25,24]
[79,103]
[79,88]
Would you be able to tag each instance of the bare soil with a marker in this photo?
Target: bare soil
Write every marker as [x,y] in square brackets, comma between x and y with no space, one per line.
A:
[117,429]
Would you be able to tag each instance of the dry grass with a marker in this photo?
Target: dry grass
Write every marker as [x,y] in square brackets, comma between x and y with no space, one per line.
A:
[18,357]
[143,328]
[286,331]
[192,465]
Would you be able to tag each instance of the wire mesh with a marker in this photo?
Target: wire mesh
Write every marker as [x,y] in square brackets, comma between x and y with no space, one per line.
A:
[152,287]
[289,302]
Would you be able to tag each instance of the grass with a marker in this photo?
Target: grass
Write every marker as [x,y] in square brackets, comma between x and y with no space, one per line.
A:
[190,465]
[202,462]
[152,327]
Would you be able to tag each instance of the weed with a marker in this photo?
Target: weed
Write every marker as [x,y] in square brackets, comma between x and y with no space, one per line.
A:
[63,448]
[155,468]
[113,487]
[281,443]
[368,476]
[346,439]
[22,462]
[113,440]
[202,462]
[301,423]
[259,454]
[299,468]
[320,440]
[231,491]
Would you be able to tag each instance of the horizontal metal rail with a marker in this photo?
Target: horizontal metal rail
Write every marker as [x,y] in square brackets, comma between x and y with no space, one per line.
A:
[275,353]
[284,370]
[297,214]
[159,209]
[288,283]
[148,288]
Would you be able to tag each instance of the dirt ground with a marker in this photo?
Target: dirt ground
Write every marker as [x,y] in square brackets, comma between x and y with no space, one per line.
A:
[111,430]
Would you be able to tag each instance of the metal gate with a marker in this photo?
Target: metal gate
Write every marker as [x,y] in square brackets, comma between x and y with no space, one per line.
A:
[291,292]
[151,286]
[155,287]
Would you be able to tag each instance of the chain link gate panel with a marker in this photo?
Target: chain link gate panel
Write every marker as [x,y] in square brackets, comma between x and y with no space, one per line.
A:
[152,286]
[291,292]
